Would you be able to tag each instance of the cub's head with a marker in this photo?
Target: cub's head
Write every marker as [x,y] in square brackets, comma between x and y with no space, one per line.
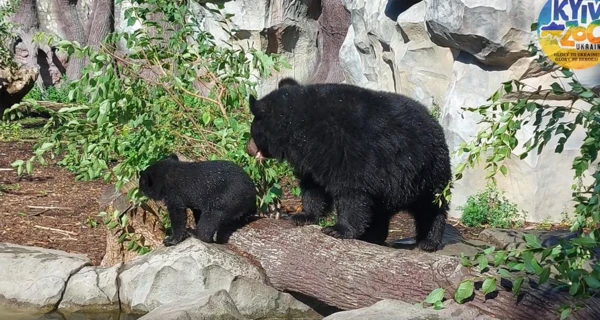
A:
[150,182]
[263,143]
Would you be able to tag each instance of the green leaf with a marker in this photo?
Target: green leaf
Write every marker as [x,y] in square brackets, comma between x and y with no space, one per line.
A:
[516,289]
[516,266]
[28,167]
[489,286]
[500,258]
[438,305]
[532,241]
[574,288]
[557,89]
[489,250]
[534,26]
[464,291]
[544,275]
[482,262]
[503,170]
[565,313]
[435,296]
[17,163]
[206,118]
[592,282]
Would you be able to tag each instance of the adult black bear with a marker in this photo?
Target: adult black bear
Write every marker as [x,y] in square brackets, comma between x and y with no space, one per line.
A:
[368,153]
[219,193]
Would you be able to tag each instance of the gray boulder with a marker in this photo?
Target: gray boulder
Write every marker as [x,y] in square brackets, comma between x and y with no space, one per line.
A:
[35,278]
[170,274]
[209,305]
[398,310]
[92,289]
[255,300]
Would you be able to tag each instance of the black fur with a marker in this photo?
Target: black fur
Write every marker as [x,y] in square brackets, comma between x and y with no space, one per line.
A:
[219,193]
[366,153]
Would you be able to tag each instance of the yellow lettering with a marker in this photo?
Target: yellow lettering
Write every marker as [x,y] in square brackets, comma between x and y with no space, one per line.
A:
[590,34]
[565,40]
[579,34]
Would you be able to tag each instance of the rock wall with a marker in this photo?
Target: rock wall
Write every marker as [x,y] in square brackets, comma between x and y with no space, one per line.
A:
[451,54]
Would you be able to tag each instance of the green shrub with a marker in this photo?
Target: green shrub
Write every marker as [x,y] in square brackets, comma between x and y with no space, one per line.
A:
[490,207]
[58,94]
[10,131]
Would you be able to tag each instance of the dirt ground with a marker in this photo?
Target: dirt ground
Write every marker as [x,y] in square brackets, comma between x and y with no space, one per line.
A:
[48,209]
[52,210]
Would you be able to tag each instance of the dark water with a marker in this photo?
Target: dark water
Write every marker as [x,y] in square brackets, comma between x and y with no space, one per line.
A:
[18,314]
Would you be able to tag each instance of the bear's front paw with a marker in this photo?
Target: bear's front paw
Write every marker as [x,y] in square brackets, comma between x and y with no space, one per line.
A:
[303,218]
[429,245]
[339,231]
[174,240]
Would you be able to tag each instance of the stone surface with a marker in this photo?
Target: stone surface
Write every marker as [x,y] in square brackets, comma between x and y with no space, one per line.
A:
[209,305]
[510,239]
[497,32]
[173,273]
[414,53]
[35,278]
[92,289]
[397,310]
[365,55]
[255,300]
[286,27]
[453,241]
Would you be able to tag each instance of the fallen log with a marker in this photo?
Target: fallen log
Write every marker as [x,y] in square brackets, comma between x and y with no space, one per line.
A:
[351,274]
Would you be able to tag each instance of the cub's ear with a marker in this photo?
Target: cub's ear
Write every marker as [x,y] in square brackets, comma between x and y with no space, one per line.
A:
[173,156]
[256,107]
[288,82]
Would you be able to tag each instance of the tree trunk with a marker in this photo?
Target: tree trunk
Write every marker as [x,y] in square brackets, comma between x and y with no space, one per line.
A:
[333,27]
[27,23]
[101,23]
[98,26]
[351,274]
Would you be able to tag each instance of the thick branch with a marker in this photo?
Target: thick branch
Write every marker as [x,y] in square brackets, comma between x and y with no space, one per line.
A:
[352,274]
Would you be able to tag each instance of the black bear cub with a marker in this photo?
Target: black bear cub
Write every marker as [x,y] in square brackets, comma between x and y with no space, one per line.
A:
[367,154]
[219,193]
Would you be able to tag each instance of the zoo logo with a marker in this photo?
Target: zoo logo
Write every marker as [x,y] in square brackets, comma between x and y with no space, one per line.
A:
[568,32]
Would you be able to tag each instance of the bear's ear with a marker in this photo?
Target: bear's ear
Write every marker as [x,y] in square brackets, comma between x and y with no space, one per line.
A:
[288,82]
[173,156]
[256,107]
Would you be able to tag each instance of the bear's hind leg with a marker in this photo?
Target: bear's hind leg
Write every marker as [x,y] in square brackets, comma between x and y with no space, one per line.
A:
[178,219]
[430,223]
[209,224]
[378,230]
[316,203]
[354,212]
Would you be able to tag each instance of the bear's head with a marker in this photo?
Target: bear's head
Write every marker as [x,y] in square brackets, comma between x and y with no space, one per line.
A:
[264,133]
